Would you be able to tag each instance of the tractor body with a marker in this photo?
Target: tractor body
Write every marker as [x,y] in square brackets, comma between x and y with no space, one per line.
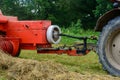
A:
[108,47]
[105,18]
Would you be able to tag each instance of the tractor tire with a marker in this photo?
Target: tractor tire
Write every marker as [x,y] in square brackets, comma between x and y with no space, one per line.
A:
[108,47]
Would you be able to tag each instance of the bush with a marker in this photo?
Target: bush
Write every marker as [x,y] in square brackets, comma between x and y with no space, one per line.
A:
[75,30]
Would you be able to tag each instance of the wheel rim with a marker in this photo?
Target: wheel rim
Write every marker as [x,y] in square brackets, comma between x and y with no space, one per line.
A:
[112,49]
[53,34]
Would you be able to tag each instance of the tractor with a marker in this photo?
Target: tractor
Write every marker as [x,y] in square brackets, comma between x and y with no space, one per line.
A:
[41,34]
[108,46]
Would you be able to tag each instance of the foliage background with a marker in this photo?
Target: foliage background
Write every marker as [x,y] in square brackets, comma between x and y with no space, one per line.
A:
[62,12]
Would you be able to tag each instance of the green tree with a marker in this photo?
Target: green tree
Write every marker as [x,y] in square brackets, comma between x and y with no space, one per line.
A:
[102,7]
[84,11]
[68,11]
[61,12]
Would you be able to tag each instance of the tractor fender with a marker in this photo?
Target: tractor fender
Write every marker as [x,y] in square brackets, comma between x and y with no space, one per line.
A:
[105,18]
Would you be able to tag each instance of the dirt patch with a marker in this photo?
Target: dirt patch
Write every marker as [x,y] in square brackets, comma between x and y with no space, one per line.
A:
[26,69]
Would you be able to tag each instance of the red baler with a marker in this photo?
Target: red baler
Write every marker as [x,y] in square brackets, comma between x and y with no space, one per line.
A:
[33,35]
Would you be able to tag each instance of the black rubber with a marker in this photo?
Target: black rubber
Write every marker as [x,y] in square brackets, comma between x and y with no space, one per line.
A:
[111,26]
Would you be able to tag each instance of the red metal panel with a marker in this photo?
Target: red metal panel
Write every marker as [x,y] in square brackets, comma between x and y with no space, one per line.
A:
[3,19]
[29,31]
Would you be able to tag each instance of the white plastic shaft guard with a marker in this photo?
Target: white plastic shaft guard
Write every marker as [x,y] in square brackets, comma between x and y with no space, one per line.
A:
[50,34]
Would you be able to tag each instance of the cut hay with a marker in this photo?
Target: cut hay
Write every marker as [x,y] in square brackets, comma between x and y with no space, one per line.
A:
[34,70]
[6,61]
[26,69]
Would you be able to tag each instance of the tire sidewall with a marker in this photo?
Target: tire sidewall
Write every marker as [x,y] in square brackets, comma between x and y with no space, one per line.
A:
[107,31]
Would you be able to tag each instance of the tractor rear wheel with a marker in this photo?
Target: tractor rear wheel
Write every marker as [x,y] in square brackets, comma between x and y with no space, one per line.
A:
[108,48]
